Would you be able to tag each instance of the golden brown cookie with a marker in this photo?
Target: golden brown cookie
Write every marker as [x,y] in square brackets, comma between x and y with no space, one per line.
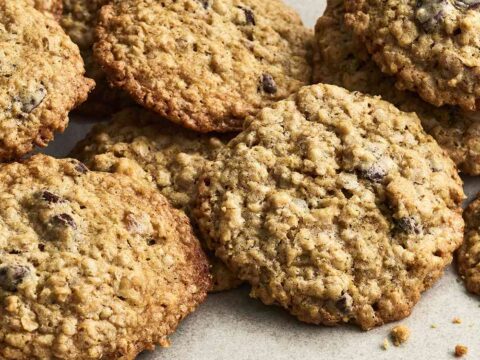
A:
[334,205]
[139,144]
[41,79]
[204,64]
[432,47]
[341,59]
[78,20]
[92,265]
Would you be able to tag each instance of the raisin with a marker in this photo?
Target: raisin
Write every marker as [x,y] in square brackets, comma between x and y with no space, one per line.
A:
[268,84]
[408,225]
[430,13]
[51,197]
[204,3]
[373,173]
[81,167]
[344,303]
[249,16]
[32,100]
[65,220]
[12,276]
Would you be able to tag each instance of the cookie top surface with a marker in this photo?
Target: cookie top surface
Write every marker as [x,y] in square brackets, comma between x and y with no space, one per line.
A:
[431,46]
[340,59]
[92,265]
[53,7]
[78,20]
[137,143]
[334,205]
[204,64]
[41,79]
[468,259]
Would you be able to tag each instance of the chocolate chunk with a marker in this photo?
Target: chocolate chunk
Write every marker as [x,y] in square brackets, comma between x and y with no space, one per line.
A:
[31,101]
[430,13]
[268,84]
[12,275]
[408,225]
[344,303]
[373,173]
[81,167]
[51,197]
[65,220]
[205,3]
[249,16]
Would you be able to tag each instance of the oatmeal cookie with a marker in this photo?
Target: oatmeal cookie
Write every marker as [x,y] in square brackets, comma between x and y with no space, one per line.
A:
[340,59]
[137,143]
[41,79]
[78,20]
[92,265]
[334,205]
[432,47]
[205,65]
[468,260]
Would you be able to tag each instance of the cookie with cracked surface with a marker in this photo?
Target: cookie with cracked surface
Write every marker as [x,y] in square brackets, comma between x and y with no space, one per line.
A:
[468,258]
[78,20]
[334,205]
[432,47]
[137,143]
[53,7]
[340,59]
[35,100]
[205,65]
[92,265]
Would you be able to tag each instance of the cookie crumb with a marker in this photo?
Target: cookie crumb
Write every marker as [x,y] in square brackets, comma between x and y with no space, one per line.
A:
[433,326]
[400,334]
[456,320]
[385,344]
[460,350]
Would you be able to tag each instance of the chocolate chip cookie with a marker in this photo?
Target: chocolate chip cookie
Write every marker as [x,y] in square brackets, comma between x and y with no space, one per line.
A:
[431,46]
[334,205]
[342,60]
[92,265]
[468,259]
[53,7]
[41,79]
[204,64]
[78,20]
[137,143]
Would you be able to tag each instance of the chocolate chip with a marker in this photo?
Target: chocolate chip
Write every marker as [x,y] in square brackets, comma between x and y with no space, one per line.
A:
[51,197]
[32,100]
[81,167]
[430,13]
[205,3]
[408,225]
[12,276]
[344,303]
[268,84]
[373,173]
[249,16]
[65,220]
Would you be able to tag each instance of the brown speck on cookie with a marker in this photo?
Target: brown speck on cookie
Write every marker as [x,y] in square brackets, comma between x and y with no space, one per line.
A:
[12,275]
[65,220]
[268,84]
[400,334]
[249,16]
[461,350]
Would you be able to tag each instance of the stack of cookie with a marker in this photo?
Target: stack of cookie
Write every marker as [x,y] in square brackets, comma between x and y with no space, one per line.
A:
[220,164]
